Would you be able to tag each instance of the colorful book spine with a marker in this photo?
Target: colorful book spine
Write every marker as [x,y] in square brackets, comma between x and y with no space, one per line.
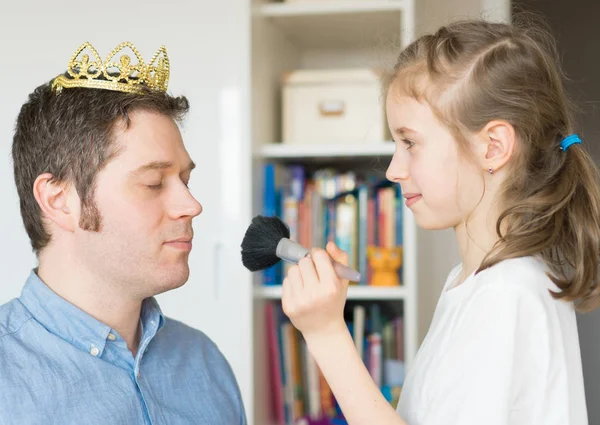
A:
[271,207]
[287,330]
[375,348]
[363,211]
[275,367]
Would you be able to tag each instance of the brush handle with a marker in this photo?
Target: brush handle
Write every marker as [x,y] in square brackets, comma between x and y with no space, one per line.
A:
[345,272]
[291,251]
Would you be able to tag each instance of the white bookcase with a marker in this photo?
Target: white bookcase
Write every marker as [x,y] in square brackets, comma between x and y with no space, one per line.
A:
[319,34]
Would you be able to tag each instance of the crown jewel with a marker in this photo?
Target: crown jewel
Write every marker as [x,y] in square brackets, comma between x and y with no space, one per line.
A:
[127,73]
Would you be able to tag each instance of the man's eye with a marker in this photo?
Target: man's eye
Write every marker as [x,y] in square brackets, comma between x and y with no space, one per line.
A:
[155,186]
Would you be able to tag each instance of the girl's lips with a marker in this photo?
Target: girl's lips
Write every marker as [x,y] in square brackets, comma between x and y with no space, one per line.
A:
[412,198]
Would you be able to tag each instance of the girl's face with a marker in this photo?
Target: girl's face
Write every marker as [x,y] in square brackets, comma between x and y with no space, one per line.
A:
[442,187]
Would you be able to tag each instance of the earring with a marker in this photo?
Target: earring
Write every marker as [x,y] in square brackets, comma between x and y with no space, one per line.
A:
[490,170]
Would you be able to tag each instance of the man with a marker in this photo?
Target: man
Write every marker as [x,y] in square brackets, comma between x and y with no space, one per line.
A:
[102,175]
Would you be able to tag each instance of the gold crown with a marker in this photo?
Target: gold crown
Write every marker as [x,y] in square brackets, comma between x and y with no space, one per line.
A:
[123,75]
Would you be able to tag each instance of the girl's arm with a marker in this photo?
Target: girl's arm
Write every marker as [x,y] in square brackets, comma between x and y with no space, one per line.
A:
[313,298]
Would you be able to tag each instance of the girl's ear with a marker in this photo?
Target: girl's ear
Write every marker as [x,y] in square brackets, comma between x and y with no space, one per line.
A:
[496,145]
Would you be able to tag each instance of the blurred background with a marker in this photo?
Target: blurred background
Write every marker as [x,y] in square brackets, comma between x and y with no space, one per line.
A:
[287,118]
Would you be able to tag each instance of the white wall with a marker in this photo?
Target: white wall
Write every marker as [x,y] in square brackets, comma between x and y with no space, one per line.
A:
[208,45]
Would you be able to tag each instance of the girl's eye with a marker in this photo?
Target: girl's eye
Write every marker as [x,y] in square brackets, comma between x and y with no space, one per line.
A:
[409,143]
[155,186]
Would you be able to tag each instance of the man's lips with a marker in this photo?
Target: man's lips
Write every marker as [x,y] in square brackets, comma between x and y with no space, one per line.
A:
[187,239]
[184,243]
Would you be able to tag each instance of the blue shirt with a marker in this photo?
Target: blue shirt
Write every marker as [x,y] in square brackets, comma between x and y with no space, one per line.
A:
[58,365]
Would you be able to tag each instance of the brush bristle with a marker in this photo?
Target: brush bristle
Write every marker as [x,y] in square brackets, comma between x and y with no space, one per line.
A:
[260,242]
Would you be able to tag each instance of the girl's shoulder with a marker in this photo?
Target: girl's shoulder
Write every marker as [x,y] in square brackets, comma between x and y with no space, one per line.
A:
[524,275]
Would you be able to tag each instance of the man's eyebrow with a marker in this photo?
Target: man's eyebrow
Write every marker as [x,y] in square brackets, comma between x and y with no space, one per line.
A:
[159,165]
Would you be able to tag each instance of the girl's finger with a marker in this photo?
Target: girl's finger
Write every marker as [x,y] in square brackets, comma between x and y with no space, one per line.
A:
[337,254]
[287,298]
[295,277]
[296,283]
[309,273]
[324,267]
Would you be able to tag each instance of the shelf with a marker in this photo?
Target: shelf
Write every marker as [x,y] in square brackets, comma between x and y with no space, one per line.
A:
[331,7]
[338,24]
[354,292]
[341,151]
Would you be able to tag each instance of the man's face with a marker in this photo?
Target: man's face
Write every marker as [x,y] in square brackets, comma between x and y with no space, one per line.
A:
[146,210]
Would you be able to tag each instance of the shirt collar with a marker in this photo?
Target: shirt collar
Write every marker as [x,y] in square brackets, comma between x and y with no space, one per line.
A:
[75,326]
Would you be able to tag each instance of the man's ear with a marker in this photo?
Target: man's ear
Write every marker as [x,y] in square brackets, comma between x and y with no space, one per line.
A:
[497,142]
[54,201]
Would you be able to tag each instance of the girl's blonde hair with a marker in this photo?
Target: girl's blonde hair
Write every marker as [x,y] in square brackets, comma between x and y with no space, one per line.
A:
[473,72]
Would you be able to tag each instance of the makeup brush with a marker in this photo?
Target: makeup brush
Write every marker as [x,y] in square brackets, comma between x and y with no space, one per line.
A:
[266,242]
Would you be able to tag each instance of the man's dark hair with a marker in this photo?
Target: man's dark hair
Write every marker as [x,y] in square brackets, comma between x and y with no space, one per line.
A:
[70,135]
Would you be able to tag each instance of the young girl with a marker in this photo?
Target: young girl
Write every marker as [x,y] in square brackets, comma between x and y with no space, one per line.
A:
[485,144]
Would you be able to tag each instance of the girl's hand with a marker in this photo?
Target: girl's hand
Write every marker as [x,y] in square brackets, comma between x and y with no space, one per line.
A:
[313,296]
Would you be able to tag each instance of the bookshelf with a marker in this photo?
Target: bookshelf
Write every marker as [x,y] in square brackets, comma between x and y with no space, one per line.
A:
[355,293]
[274,151]
[331,7]
[321,35]
[327,34]
[369,21]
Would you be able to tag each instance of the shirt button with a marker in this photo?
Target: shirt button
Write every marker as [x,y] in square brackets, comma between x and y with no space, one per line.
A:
[112,337]
[94,351]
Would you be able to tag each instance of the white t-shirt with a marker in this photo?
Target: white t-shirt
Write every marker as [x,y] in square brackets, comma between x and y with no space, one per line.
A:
[500,351]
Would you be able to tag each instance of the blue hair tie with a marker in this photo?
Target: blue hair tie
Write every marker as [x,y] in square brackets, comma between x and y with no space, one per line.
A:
[568,141]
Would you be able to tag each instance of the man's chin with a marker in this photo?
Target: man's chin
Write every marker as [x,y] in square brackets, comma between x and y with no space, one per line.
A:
[172,280]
